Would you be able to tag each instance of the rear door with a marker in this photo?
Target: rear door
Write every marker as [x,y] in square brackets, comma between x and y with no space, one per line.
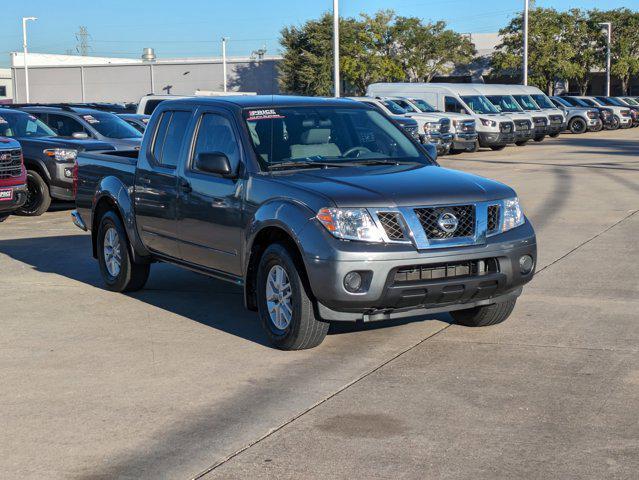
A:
[210,206]
[156,183]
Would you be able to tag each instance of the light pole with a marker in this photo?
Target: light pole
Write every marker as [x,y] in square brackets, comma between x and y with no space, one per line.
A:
[608,31]
[336,47]
[224,62]
[525,67]
[24,49]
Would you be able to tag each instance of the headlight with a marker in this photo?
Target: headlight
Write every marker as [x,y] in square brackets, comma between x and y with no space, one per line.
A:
[513,216]
[62,154]
[488,123]
[349,224]
[430,127]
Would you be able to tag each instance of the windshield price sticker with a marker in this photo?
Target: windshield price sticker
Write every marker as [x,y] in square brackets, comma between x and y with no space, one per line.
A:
[91,119]
[264,114]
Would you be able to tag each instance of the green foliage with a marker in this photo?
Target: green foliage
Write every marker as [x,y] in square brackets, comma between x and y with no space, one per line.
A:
[378,48]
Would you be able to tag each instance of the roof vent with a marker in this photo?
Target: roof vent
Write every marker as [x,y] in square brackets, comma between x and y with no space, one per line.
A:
[148,55]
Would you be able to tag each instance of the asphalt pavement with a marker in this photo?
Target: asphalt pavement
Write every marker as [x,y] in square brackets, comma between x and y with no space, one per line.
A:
[178,381]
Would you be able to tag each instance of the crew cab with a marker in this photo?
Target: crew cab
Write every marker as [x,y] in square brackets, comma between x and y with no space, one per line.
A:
[48,159]
[607,116]
[320,209]
[621,116]
[13,178]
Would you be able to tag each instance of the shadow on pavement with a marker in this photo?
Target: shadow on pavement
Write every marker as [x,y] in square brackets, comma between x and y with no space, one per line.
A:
[206,300]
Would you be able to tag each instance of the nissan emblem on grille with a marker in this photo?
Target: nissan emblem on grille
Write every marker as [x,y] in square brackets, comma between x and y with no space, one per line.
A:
[447,222]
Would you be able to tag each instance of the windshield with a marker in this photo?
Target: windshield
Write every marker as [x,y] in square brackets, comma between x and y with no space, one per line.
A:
[20,124]
[576,102]
[319,135]
[479,104]
[406,106]
[394,107]
[610,101]
[588,102]
[526,102]
[630,101]
[542,100]
[562,101]
[423,105]
[505,103]
[111,126]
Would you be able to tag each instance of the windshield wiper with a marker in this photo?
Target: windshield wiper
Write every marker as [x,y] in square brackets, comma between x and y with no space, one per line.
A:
[381,161]
[304,164]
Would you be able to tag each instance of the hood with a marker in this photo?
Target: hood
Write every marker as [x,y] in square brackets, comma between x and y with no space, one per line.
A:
[125,143]
[395,185]
[59,142]
[456,116]
[405,121]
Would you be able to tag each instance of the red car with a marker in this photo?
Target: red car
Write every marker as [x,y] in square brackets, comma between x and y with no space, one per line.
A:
[13,178]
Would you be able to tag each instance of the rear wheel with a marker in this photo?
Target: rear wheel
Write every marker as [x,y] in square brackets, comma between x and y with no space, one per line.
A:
[38,196]
[485,315]
[577,125]
[284,304]
[119,272]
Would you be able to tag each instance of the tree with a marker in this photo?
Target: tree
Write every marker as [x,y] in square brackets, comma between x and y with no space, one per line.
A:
[587,44]
[625,42]
[550,57]
[427,50]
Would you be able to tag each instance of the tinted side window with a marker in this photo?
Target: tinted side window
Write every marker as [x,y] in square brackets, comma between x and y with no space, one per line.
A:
[175,134]
[64,125]
[160,137]
[215,134]
[452,105]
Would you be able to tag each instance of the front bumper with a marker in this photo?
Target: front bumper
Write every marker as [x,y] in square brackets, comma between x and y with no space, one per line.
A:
[387,298]
[17,199]
[464,141]
[62,181]
[594,123]
[555,128]
[441,140]
[495,139]
[521,135]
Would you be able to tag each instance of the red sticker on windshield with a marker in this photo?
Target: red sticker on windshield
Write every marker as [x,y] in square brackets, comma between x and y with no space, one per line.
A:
[264,114]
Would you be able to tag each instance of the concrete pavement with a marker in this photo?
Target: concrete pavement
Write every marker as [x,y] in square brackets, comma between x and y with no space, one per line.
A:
[178,381]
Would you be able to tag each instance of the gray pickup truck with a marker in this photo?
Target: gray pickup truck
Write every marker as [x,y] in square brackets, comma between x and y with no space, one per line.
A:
[321,209]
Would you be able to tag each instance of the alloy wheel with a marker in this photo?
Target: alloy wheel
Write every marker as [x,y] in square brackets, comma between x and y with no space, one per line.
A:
[278,297]
[112,252]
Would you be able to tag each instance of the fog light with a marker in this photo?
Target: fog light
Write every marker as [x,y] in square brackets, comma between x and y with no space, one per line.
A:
[68,172]
[353,282]
[526,264]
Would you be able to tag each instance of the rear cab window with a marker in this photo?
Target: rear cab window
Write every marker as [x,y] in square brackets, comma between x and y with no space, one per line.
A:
[169,138]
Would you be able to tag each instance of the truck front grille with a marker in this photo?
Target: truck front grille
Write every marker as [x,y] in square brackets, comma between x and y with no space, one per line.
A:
[493,218]
[441,271]
[433,221]
[10,164]
[556,119]
[540,121]
[444,125]
[392,225]
[506,127]
[522,125]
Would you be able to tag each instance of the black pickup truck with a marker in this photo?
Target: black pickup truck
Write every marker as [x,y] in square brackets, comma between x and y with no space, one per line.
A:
[321,209]
[48,158]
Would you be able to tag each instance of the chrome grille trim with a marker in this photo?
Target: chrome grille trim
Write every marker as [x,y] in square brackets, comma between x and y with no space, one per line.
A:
[414,233]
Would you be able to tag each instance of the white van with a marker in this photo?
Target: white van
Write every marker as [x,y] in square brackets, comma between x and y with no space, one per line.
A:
[507,105]
[557,121]
[494,130]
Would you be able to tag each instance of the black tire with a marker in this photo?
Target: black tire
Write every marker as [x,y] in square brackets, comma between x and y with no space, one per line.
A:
[540,138]
[497,149]
[132,276]
[521,143]
[555,135]
[485,315]
[577,125]
[304,330]
[614,124]
[3,217]
[474,148]
[38,196]
[598,128]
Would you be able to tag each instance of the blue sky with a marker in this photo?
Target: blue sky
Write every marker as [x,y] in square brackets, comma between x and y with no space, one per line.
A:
[121,28]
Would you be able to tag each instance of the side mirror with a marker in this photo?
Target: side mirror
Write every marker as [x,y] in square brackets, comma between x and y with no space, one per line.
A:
[214,162]
[431,150]
[80,135]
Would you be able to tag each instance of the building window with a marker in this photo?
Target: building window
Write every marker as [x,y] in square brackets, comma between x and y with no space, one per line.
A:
[3,91]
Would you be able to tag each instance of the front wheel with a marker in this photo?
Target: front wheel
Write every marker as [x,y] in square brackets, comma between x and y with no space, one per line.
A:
[577,125]
[540,138]
[284,305]
[496,149]
[614,123]
[38,196]
[521,143]
[119,272]
[555,135]
[484,315]
[3,218]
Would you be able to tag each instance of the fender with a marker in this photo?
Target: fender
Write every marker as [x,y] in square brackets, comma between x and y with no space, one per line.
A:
[120,195]
[39,165]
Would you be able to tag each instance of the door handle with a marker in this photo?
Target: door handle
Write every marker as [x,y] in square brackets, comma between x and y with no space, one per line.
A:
[185,186]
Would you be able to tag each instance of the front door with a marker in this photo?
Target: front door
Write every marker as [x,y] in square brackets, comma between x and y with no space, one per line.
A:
[210,206]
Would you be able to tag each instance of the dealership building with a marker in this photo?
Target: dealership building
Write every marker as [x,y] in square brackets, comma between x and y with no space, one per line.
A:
[73,78]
